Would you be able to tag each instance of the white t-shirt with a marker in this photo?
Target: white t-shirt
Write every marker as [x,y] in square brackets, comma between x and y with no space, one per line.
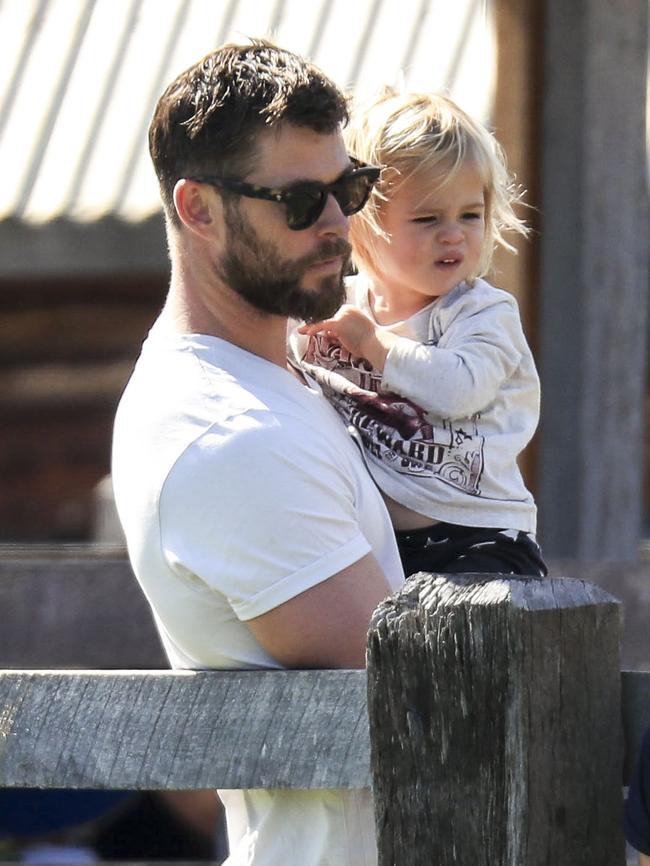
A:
[457,401]
[239,488]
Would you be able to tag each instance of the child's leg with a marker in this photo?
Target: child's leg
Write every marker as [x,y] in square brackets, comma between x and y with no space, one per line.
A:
[451,549]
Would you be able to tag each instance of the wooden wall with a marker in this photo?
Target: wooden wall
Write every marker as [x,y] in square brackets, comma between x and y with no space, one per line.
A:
[66,351]
[516,121]
[594,269]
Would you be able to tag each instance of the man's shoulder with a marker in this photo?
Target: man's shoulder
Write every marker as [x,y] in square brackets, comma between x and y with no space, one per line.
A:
[251,466]
[253,433]
[210,421]
[208,428]
[197,382]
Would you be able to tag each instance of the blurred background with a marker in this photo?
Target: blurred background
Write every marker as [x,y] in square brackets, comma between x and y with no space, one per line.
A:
[84,271]
[83,266]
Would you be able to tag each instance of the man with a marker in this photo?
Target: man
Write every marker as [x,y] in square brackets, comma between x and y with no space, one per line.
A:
[251,522]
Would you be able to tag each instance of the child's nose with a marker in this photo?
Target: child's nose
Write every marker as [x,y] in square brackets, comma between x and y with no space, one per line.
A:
[450,233]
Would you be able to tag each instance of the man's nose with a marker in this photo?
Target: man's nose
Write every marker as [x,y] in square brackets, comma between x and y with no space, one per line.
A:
[333,221]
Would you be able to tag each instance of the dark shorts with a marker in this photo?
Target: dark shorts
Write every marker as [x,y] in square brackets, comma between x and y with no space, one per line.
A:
[637,805]
[451,549]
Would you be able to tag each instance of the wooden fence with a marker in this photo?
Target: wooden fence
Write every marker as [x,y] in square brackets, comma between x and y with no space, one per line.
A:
[494,711]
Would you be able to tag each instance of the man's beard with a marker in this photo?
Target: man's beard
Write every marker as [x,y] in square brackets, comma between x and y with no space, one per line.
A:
[254,269]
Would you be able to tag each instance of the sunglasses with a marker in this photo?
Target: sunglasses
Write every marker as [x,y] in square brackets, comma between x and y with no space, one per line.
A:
[305,201]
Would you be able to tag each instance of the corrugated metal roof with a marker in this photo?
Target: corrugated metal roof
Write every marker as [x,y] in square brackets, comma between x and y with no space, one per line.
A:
[79,80]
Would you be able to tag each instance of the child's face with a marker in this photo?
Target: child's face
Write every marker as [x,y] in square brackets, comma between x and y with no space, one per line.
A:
[436,236]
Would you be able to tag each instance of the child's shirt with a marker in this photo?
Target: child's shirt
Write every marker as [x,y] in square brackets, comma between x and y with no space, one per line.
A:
[458,400]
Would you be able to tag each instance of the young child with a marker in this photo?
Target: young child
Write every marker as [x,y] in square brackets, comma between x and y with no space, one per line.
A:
[427,363]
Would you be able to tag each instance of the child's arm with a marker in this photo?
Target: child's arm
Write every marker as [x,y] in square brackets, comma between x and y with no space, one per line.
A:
[479,350]
[356,333]
[644,860]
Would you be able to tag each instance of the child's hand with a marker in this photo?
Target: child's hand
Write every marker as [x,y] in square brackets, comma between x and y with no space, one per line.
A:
[350,326]
[356,333]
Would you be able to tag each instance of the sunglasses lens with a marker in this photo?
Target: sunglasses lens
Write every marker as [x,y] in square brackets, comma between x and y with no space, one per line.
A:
[352,192]
[306,202]
[304,205]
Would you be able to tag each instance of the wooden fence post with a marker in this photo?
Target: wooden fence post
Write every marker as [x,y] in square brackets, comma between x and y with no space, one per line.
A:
[494,708]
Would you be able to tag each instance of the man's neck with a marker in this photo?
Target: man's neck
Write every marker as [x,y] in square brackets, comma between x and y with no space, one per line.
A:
[213,308]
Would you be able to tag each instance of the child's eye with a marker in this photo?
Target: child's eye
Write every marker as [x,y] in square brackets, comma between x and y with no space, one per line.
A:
[425,219]
[472,215]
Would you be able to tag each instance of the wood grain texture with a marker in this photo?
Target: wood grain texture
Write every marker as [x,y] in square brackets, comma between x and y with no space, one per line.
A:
[179,730]
[635,702]
[495,723]
[594,278]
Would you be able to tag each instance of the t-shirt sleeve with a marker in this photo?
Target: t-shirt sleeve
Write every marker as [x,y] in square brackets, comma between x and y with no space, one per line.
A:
[637,816]
[260,516]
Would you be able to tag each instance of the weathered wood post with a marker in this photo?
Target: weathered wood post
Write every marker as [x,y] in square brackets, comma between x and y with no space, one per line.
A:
[495,727]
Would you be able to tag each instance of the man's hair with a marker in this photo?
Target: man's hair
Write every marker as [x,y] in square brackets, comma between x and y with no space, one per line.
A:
[423,134]
[208,119]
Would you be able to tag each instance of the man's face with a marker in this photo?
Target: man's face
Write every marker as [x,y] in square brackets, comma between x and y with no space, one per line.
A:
[278,270]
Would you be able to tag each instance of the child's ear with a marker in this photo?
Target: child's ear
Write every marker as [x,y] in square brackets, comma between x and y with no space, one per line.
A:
[196,206]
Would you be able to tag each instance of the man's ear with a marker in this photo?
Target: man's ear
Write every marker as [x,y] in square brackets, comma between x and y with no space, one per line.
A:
[196,206]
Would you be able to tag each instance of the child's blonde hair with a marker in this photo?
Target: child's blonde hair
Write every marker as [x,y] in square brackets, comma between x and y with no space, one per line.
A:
[408,133]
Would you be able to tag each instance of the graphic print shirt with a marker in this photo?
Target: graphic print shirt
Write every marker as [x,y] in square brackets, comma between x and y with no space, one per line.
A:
[458,400]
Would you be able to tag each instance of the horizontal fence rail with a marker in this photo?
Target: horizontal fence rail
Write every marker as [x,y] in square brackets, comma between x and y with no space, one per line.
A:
[184,730]
[205,729]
